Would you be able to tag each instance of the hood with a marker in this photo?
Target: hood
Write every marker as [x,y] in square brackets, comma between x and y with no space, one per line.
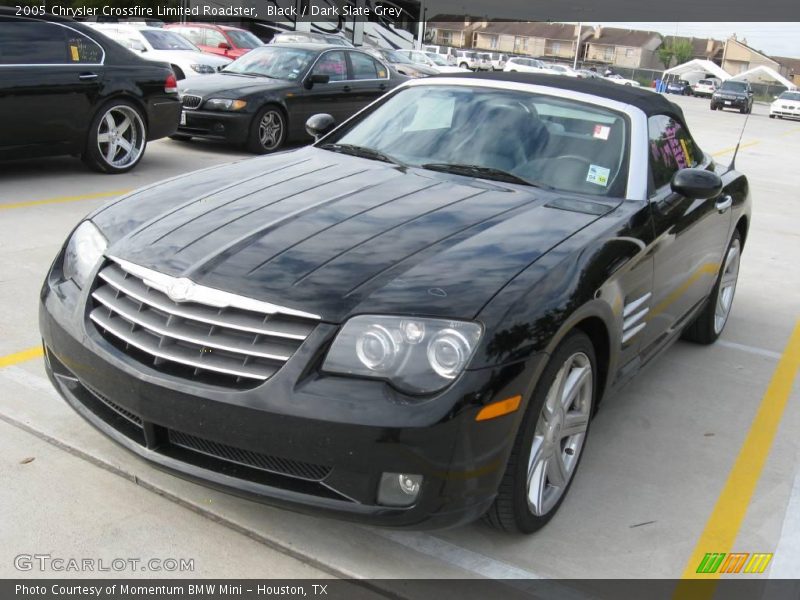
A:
[736,93]
[791,103]
[199,58]
[336,235]
[234,85]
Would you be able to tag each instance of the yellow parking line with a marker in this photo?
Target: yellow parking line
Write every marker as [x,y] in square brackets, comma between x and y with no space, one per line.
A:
[732,148]
[18,357]
[790,132]
[726,519]
[63,199]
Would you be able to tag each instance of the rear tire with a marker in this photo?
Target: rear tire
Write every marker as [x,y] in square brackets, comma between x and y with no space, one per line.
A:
[117,138]
[553,432]
[710,323]
[268,131]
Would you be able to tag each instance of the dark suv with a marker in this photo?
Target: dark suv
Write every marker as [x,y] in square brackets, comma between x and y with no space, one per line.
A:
[733,94]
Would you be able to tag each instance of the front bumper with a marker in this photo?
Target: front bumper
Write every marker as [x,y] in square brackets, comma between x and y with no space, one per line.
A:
[779,111]
[730,102]
[231,127]
[271,444]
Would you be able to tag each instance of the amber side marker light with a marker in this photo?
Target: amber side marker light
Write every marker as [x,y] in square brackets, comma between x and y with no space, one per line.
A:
[498,409]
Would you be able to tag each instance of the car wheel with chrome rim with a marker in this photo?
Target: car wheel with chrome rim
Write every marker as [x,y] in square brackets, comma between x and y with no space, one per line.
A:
[117,138]
[268,131]
[710,323]
[550,441]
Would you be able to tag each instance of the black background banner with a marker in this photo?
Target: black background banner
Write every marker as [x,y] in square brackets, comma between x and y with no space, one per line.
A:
[455,10]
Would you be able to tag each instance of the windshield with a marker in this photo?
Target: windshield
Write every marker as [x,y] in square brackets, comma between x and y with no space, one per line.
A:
[705,82]
[272,61]
[790,96]
[734,86]
[167,40]
[538,139]
[244,39]
[437,60]
[395,57]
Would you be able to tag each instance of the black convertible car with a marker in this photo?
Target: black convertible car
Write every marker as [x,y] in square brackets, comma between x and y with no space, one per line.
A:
[412,321]
[264,98]
[67,89]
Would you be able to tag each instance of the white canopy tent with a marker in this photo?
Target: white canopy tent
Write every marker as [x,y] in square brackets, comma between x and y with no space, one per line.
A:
[700,68]
[764,74]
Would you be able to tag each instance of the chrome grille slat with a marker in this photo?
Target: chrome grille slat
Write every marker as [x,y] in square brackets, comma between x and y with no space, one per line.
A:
[226,343]
[191,102]
[135,288]
[150,320]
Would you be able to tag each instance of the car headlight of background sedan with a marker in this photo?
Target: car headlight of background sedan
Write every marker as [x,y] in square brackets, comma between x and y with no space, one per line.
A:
[417,356]
[84,250]
[225,104]
[204,69]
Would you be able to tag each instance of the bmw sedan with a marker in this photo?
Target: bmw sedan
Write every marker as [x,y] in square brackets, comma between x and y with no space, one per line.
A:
[66,89]
[264,98]
[411,322]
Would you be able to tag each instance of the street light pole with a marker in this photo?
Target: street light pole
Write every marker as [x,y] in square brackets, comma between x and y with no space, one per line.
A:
[577,46]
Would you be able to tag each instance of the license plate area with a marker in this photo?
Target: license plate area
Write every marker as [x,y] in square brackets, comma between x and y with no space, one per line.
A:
[183,117]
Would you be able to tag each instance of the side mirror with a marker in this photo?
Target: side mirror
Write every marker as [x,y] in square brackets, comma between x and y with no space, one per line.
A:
[224,46]
[696,184]
[319,125]
[316,78]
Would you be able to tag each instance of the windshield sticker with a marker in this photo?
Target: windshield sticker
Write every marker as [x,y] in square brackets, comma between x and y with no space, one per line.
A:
[601,132]
[598,175]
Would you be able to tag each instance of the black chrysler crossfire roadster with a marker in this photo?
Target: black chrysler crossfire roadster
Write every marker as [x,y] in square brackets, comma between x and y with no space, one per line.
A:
[412,321]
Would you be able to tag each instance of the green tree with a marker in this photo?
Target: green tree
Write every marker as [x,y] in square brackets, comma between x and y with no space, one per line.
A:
[683,51]
[665,53]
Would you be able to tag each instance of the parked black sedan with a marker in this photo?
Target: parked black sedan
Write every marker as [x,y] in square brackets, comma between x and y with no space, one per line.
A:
[67,89]
[264,98]
[411,321]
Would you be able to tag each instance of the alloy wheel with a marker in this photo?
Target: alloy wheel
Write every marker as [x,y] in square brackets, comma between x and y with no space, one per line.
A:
[560,433]
[121,136]
[727,285]
[270,130]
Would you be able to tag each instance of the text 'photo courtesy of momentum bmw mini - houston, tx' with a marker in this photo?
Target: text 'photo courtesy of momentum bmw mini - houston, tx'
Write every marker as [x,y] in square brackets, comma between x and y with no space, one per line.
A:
[410,322]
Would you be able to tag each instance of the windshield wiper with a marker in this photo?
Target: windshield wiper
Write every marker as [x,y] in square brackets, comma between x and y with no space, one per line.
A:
[482,172]
[362,152]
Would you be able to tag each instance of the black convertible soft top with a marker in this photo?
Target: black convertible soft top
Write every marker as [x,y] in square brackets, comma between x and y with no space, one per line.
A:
[649,102]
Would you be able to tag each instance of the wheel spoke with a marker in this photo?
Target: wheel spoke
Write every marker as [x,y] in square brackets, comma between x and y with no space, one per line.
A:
[109,119]
[125,145]
[575,381]
[123,126]
[537,486]
[575,423]
[103,138]
[111,152]
[556,469]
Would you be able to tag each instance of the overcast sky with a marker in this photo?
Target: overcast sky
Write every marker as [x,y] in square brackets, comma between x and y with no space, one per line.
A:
[779,39]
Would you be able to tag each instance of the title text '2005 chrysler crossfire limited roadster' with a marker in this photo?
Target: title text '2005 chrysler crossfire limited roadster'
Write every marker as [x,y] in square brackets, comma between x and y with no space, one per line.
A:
[410,322]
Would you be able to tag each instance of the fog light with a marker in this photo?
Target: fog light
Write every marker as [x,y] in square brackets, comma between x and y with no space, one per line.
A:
[399,489]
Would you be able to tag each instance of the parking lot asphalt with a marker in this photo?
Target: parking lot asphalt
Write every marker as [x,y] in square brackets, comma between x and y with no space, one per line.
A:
[698,454]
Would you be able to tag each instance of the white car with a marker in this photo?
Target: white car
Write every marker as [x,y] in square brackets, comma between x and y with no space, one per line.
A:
[498,61]
[467,59]
[619,79]
[562,70]
[705,88]
[162,45]
[786,105]
[431,59]
[445,52]
[526,65]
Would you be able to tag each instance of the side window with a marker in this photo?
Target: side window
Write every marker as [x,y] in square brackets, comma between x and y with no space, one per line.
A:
[671,149]
[33,43]
[365,67]
[193,34]
[333,65]
[82,50]
[214,38]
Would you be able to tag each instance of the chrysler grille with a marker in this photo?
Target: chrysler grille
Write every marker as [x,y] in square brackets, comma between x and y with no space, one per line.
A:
[217,337]
[191,102]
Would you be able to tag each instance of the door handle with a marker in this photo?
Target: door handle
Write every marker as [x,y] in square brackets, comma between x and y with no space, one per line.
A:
[724,203]
[382,86]
[87,76]
[346,88]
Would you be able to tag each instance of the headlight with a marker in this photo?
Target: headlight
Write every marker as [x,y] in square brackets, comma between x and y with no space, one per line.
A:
[225,104]
[84,250]
[205,69]
[417,356]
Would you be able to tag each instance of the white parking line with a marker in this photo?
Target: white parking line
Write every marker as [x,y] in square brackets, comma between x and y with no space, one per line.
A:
[786,563]
[750,349]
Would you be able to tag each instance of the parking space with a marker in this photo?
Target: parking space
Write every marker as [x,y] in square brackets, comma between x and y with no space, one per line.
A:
[650,495]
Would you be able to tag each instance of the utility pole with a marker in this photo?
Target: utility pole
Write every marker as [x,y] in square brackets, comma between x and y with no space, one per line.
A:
[577,46]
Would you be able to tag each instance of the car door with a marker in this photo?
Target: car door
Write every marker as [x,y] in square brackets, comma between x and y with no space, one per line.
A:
[690,236]
[50,79]
[369,77]
[334,97]
[213,39]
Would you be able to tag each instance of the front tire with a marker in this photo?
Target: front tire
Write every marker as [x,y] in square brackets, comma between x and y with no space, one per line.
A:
[117,138]
[268,131]
[550,441]
[710,323]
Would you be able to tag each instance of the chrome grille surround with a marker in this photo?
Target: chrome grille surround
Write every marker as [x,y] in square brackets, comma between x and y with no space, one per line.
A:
[196,332]
[191,102]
